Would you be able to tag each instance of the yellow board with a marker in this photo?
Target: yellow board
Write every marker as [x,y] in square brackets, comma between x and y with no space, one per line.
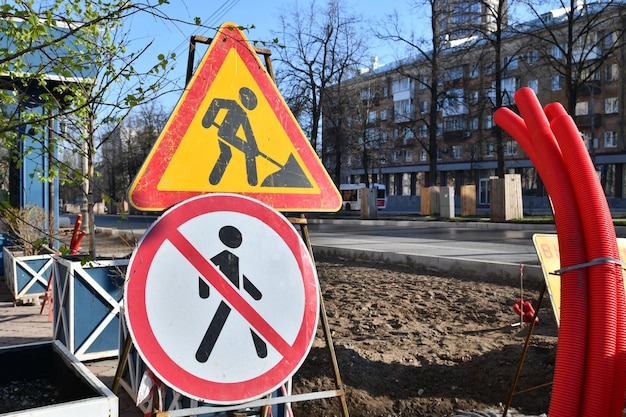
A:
[547,247]
[232,132]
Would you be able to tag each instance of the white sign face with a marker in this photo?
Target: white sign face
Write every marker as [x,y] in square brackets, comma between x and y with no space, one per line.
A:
[222,298]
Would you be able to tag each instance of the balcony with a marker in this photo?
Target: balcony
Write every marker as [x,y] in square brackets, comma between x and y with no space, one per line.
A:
[590,87]
[588,120]
[456,136]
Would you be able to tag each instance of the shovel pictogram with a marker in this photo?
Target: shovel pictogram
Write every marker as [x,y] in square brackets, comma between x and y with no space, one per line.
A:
[288,175]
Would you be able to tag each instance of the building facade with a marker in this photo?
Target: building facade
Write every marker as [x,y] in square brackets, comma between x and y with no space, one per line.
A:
[377,125]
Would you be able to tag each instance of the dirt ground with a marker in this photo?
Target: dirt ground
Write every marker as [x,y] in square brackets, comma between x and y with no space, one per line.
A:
[410,343]
[415,344]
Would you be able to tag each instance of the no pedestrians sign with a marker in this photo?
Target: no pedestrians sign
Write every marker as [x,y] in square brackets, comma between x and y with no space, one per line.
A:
[221,298]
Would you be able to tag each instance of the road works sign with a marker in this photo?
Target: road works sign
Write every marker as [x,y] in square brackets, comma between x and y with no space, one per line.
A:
[232,132]
[221,298]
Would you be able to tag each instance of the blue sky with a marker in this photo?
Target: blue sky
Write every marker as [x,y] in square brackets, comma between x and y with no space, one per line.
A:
[264,15]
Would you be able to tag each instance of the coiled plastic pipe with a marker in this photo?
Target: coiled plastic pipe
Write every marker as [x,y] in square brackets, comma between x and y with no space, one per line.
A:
[604,395]
[597,389]
[543,150]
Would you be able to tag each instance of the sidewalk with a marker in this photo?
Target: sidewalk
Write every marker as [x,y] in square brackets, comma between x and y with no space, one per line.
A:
[23,324]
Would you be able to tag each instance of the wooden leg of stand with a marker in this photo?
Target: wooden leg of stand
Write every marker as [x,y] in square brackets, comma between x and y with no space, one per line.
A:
[326,327]
[121,365]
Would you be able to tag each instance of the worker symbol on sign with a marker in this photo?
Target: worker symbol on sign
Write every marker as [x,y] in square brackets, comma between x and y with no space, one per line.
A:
[228,264]
[288,175]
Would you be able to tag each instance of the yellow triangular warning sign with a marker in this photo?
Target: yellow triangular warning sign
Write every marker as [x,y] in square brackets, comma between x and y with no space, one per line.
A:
[232,132]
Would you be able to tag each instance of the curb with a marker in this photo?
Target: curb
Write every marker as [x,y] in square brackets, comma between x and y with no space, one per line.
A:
[507,272]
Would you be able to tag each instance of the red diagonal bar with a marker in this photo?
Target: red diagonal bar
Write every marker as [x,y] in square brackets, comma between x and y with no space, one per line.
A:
[215,278]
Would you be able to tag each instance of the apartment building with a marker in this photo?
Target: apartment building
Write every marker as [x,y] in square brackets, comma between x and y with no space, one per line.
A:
[379,131]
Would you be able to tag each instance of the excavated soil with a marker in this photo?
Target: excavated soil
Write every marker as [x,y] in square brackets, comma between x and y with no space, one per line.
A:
[416,344]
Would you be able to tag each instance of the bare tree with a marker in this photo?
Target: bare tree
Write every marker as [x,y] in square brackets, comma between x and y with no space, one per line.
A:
[360,134]
[426,51]
[72,61]
[496,14]
[124,149]
[580,38]
[320,44]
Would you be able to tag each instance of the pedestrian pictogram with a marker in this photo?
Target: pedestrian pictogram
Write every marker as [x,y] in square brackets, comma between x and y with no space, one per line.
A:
[221,298]
[232,132]
[228,264]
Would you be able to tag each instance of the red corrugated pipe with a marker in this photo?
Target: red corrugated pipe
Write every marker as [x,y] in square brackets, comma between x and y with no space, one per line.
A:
[543,150]
[569,174]
[605,348]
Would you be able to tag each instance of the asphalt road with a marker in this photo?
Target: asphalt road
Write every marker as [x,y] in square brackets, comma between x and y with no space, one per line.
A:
[440,245]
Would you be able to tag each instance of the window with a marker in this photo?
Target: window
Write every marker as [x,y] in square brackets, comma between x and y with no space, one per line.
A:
[611,72]
[402,84]
[610,40]
[474,71]
[373,138]
[423,155]
[454,73]
[610,139]
[424,83]
[586,74]
[532,57]
[371,117]
[454,103]
[383,136]
[509,87]
[490,68]
[473,123]
[383,114]
[488,122]
[407,135]
[454,124]
[557,52]
[510,148]
[408,155]
[365,94]
[473,97]
[457,152]
[534,85]
[394,156]
[582,108]
[591,38]
[403,110]
[424,107]
[610,105]
[423,131]
[489,150]
[512,62]
[556,82]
